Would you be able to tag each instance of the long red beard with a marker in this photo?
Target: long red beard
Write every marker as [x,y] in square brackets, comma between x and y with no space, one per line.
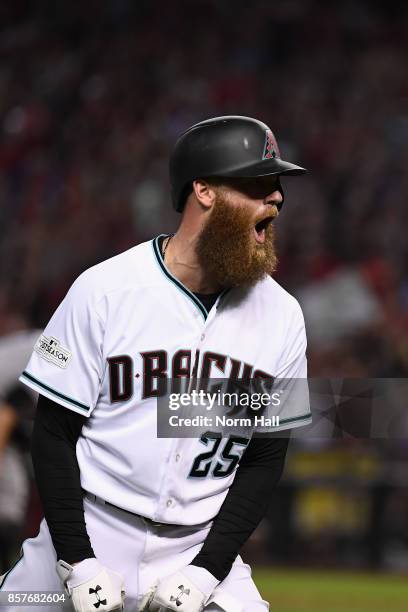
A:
[227,251]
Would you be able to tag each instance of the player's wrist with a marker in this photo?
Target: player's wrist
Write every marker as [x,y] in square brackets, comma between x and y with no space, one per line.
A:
[73,574]
[79,560]
[74,554]
[201,578]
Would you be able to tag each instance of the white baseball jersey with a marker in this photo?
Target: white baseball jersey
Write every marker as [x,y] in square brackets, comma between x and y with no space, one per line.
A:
[124,325]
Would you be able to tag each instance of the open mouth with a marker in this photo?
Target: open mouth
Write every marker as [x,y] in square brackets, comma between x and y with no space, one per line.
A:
[260,229]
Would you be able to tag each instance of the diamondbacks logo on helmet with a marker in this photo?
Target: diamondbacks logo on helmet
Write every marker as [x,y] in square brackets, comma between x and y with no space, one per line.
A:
[271,146]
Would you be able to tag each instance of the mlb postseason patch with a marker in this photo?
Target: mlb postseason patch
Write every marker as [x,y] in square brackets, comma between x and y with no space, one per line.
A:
[51,350]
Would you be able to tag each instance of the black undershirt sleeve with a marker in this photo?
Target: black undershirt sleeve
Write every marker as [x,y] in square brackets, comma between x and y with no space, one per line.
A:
[56,432]
[245,505]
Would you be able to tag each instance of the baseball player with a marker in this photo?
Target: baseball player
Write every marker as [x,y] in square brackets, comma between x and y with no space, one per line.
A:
[133,521]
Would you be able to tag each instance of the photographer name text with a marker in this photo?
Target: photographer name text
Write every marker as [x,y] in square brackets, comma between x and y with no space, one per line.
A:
[223,421]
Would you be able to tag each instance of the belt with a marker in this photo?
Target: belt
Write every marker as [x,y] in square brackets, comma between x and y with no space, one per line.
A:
[103,502]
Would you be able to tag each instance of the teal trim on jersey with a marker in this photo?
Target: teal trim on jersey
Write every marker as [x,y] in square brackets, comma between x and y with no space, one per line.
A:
[54,392]
[294,419]
[4,576]
[174,280]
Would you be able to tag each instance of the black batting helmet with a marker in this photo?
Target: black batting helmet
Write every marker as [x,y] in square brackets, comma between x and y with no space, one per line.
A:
[231,146]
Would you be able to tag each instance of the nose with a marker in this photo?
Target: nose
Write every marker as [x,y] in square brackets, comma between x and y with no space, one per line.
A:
[275,198]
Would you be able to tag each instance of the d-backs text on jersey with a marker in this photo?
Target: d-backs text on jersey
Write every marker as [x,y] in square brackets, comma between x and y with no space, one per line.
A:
[158,367]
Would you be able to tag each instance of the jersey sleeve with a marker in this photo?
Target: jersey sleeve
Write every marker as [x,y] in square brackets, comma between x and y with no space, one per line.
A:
[67,361]
[291,378]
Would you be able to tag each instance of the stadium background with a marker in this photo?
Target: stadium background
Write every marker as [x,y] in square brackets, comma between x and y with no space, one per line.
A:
[92,96]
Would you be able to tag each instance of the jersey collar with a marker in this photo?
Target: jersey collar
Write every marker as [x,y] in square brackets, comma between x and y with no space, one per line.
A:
[159,258]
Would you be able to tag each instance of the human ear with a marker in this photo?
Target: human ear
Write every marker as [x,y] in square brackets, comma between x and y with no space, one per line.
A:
[204,192]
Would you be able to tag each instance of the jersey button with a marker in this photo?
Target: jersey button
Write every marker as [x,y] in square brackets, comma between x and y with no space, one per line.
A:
[202,337]
[169,503]
[178,457]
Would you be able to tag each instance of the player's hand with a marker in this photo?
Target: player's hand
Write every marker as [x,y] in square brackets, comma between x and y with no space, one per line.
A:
[91,586]
[184,591]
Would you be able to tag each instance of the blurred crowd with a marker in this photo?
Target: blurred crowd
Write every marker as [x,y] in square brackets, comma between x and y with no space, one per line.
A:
[93,96]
